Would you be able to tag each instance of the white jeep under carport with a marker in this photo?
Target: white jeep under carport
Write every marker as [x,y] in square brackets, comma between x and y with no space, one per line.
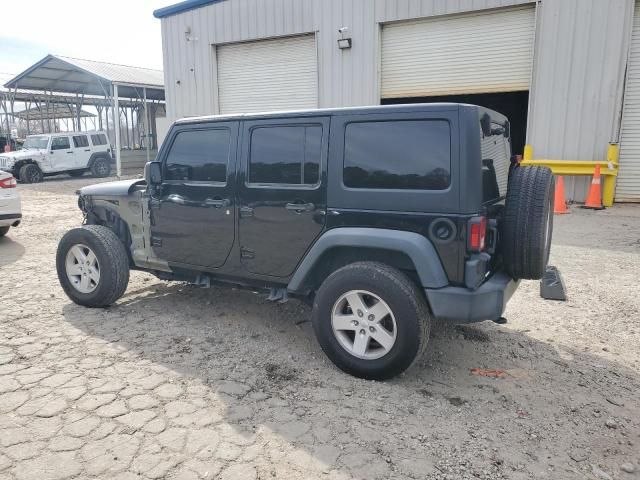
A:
[51,154]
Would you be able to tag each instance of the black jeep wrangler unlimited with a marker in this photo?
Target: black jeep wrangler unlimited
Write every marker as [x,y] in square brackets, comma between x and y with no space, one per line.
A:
[384,217]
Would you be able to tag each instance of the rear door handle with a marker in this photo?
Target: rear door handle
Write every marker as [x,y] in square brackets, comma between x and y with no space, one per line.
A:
[88,150]
[300,207]
[69,152]
[217,202]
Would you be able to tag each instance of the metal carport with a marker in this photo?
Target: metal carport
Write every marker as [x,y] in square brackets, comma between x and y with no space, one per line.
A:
[87,78]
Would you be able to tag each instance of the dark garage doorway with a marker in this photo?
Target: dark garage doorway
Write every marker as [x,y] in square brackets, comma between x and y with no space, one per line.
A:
[512,104]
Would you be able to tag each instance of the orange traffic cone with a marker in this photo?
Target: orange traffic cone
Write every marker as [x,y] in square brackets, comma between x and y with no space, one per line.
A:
[593,200]
[559,204]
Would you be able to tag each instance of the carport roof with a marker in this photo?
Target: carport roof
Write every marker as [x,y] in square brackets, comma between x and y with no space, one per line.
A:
[78,76]
[55,110]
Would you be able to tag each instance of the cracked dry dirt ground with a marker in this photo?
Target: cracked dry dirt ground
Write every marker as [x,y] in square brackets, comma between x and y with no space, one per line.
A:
[180,382]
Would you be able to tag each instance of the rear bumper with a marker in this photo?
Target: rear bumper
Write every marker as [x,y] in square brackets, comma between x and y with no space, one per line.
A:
[10,210]
[10,219]
[461,305]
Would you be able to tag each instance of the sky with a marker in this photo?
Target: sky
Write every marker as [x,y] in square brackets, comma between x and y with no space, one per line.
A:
[117,31]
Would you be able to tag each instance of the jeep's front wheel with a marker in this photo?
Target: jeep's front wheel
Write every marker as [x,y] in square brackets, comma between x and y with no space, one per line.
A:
[30,173]
[92,265]
[370,320]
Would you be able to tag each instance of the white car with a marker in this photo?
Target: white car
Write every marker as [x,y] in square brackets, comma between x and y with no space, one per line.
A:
[10,209]
[50,154]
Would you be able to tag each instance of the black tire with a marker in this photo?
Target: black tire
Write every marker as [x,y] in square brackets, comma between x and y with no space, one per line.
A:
[528,222]
[113,260]
[76,173]
[406,303]
[4,231]
[101,167]
[31,173]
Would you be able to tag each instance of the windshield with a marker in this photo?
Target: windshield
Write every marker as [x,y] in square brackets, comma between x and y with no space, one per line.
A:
[37,141]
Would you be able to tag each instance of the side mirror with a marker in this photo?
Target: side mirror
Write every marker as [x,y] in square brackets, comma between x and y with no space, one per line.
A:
[153,173]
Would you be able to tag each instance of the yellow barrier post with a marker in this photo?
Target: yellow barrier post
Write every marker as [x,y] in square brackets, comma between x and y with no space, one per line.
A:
[528,152]
[609,184]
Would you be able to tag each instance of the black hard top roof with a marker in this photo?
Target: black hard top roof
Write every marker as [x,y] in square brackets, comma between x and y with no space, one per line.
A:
[403,108]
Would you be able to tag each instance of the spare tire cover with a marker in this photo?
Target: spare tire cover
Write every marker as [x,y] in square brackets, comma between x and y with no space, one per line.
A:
[528,222]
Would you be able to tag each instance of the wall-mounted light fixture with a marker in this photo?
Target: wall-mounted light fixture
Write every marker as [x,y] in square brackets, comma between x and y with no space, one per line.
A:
[188,35]
[344,41]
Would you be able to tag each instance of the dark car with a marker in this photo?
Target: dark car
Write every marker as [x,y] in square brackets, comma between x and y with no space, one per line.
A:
[384,218]
[4,140]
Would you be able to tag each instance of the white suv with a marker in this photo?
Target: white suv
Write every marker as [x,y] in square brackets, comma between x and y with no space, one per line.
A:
[50,154]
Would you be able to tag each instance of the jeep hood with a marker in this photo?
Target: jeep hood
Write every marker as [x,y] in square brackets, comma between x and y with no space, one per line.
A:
[121,188]
[20,154]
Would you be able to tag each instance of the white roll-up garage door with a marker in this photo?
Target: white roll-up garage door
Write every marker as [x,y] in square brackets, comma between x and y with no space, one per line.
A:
[482,52]
[628,185]
[267,75]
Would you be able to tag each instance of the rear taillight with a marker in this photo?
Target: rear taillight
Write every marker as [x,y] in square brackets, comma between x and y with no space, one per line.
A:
[8,183]
[477,234]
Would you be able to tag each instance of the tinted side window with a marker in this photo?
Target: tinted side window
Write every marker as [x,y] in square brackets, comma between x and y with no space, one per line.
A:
[99,139]
[80,141]
[199,155]
[401,154]
[285,155]
[496,156]
[60,143]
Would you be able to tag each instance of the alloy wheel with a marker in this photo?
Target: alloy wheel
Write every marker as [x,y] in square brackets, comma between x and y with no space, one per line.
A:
[82,268]
[364,324]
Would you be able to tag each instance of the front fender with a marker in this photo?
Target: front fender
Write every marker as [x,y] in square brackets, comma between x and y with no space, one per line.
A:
[119,188]
[418,248]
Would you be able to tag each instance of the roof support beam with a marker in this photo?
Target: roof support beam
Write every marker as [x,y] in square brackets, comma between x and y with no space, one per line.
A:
[116,126]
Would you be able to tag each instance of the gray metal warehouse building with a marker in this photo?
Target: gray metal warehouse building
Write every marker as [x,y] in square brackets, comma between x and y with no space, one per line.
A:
[566,72]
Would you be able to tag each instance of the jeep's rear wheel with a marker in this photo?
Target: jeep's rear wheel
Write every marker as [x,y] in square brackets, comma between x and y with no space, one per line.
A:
[370,320]
[92,265]
[30,173]
[528,222]
[101,167]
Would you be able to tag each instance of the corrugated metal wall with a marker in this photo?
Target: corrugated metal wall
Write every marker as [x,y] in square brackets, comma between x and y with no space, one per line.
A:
[580,57]
[578,79]
[628,188]
[346,77]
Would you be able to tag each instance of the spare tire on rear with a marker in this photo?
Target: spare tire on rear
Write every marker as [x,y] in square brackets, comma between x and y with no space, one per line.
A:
[528,222]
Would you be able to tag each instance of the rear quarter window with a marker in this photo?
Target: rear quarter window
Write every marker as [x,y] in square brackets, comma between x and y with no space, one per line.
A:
[398,155]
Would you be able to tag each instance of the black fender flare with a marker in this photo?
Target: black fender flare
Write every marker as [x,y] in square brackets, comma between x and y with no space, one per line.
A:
[94,156]
[23,161]
[417,247]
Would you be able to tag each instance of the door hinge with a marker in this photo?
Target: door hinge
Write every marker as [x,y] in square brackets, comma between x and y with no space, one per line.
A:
[156,242]
[247,253]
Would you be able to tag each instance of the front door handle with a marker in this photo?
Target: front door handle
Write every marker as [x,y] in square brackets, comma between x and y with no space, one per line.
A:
[180,200]
[300,207]
[69,152]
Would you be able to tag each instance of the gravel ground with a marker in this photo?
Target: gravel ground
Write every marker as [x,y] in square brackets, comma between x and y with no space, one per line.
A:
[180,382]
